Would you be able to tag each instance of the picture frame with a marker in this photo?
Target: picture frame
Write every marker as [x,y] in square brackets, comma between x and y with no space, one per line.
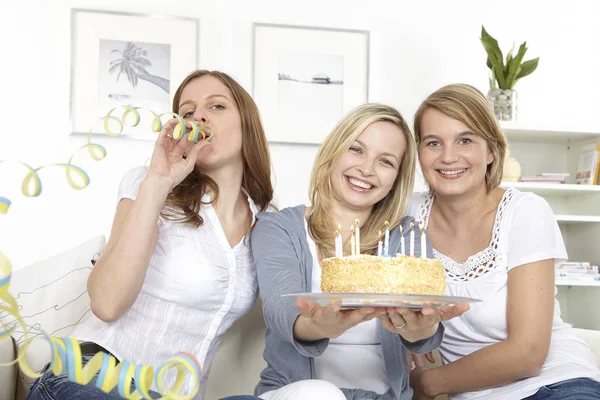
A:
[132,59]
[306,78]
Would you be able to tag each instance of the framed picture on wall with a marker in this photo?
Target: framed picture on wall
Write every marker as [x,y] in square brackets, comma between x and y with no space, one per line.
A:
[305,79]
[127,59]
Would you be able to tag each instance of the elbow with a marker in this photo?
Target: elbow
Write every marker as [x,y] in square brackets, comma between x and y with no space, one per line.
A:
[101,303]
[532,367]
[532,360]
[104,312]
[102,306]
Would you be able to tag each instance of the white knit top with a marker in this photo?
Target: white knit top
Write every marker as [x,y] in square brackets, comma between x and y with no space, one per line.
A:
[525,231]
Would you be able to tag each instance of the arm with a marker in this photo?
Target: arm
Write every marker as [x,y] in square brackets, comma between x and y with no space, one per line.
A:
[425,345]
[278,271]
[117,277]
[530,308]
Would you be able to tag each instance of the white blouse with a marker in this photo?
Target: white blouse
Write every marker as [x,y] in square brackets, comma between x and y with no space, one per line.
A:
[355,358]
[525,231]
[195,287]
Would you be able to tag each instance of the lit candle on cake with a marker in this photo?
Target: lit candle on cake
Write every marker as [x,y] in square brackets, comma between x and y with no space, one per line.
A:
[386,240]
[379,246]
[412,240]
[423,241]
[402,241]
[338,242]
[357,234]
[352,242]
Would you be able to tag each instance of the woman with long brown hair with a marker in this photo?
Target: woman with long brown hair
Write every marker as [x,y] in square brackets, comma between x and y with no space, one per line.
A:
[178,269]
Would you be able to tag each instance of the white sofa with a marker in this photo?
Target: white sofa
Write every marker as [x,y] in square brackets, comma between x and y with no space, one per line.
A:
[53,293]
[236,367]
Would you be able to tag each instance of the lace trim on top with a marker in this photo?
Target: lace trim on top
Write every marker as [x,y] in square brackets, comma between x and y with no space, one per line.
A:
[478,264]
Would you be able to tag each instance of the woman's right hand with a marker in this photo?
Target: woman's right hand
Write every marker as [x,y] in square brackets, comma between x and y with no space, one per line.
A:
[173,159]
[316,322]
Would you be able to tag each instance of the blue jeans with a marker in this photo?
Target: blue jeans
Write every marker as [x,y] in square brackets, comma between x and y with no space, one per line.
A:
[572,389]
[241,397]
[52,387]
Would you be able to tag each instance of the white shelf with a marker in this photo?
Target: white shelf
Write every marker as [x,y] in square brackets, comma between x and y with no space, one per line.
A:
[572,282]
[574,219]
[553,189]
[524,132]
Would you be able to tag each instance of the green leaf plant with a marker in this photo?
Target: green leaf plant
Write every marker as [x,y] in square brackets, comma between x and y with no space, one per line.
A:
[508,73]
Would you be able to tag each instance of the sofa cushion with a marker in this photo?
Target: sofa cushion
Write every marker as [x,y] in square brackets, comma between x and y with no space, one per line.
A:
[52,296]
[239,360]
[7,374]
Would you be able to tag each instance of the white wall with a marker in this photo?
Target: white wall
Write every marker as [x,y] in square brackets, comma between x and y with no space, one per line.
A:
[416,47]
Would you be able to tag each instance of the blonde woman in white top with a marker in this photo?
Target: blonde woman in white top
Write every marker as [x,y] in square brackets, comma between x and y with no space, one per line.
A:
[178,270]
[500,246]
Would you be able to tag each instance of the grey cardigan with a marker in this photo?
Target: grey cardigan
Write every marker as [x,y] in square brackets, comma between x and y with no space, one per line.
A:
[284,265]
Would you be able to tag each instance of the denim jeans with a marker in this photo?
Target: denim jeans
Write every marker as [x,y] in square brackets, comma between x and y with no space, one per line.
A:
[241,397]
[52,387]
[572,389]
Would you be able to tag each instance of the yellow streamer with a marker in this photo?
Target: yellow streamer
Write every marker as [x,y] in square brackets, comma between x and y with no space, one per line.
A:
[119,117]
[66,353]
[66,360]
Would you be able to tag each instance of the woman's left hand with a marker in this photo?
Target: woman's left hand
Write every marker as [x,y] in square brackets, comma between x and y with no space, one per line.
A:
[420,324]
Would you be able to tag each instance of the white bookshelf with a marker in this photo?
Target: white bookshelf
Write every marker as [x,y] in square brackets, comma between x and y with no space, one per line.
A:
[554,189]
[576,219]
[528,132]
[549,148]
[573,282]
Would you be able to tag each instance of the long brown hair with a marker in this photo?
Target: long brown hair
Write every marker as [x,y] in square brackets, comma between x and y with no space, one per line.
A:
[468,105]
[391,208]
[183,203]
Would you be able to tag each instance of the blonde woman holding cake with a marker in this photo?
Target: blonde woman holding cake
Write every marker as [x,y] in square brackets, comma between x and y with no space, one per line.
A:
[499,246]
[364,170]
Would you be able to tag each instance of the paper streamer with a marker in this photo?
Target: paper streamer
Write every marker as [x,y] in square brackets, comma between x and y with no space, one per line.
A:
[66,353]
[114,122]
[4,205]
[130,116]
[66,360]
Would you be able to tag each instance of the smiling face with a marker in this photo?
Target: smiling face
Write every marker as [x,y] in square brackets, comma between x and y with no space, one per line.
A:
[453,159]
[367,171]
[207,101]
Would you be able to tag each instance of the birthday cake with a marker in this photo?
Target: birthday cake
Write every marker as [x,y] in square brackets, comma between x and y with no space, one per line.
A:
[372,274]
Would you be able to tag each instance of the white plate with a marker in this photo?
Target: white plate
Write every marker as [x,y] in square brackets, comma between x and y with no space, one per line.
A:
[353,300]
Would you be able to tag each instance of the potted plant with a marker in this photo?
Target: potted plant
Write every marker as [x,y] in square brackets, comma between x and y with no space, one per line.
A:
[504,75]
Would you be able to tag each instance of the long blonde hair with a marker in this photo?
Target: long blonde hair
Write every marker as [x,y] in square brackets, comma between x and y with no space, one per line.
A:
[185,199]
[391,208]
[469,106]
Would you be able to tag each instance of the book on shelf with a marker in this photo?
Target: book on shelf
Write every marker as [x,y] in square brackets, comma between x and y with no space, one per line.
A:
[576,270]
[556,174]
[589,165]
